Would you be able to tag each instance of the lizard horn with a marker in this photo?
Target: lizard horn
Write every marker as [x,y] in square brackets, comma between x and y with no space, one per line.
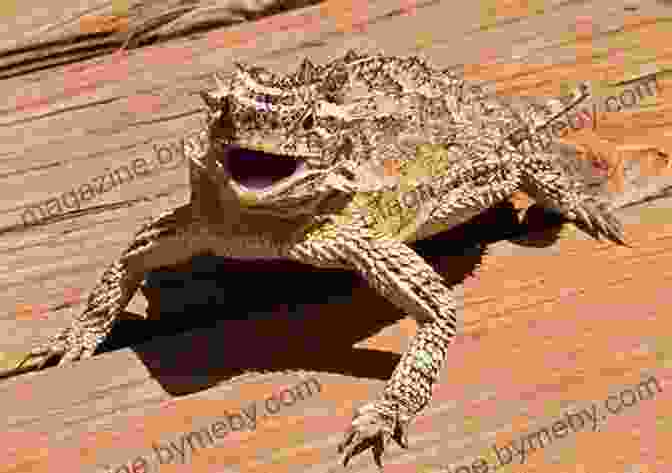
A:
[213,100]
[210,100]
[306,71]
[220,83]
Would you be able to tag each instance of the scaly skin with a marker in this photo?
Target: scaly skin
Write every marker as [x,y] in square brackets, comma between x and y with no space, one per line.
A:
[339,129]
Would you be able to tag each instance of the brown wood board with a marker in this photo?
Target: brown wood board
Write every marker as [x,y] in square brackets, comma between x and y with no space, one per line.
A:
[563,324]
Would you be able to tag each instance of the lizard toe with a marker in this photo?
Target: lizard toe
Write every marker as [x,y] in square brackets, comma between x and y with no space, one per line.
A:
[36,358]
[370,429]
[601,222]
[81,347]
[73,354]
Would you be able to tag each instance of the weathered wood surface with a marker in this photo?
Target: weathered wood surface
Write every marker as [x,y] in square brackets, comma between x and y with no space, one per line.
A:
[564,324]
[81,30]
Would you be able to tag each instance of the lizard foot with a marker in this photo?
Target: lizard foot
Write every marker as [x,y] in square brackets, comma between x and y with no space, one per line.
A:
[67,345]
[371,428]
[598,220]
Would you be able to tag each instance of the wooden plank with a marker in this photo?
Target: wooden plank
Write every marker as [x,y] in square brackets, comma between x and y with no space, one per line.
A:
[587,310]
[76,30]
[117,405]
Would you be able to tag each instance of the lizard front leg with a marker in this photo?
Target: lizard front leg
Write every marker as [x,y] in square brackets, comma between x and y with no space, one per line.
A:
[159,243]
[402,276]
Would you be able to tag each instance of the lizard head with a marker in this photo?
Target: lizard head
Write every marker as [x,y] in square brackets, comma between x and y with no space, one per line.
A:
[283,143]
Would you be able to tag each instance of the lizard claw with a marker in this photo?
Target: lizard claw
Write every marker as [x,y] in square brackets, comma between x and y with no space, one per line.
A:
[600,221]
[34,360]
[13,364]
[56,347]
[59,346]
[370,428]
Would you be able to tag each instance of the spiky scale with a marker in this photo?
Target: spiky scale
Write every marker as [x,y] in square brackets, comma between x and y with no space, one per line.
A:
[318,209]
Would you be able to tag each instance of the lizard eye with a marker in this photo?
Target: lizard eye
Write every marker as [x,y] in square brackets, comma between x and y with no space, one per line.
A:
[333,98]
[264,101]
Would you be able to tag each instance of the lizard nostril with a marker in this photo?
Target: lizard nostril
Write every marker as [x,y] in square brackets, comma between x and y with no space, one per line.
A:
[308,122]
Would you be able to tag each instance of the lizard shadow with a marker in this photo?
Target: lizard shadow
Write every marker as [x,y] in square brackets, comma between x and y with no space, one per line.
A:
[541,228]
[225,318]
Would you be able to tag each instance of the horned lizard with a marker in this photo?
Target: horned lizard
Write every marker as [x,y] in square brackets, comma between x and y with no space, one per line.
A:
[343,165]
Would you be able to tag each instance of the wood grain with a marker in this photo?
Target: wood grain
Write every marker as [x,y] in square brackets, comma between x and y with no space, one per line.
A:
[566,323]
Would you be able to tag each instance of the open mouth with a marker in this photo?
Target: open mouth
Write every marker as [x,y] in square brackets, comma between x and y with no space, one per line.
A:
[257,170]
